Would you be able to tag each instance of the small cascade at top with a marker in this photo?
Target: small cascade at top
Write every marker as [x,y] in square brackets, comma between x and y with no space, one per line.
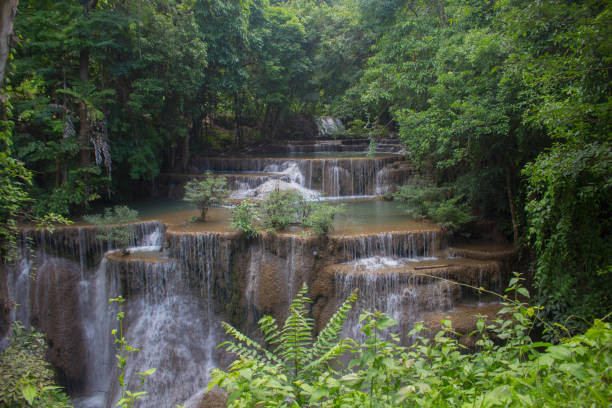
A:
[328,126]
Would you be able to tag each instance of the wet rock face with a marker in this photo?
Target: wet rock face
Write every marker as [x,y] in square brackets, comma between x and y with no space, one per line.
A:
[55,310]
[215,398]
[6,303]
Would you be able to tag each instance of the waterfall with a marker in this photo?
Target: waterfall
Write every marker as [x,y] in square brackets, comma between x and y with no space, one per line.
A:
[334,177]
[411,244]
[402,296]
[328,126]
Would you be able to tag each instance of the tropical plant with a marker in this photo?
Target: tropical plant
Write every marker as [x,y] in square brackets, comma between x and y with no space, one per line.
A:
[26,378]
[506,368]
[128,398]
[116,226]
[206,193]
[277,375]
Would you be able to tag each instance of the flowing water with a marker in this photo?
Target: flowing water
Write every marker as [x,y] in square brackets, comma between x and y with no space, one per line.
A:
[182,278]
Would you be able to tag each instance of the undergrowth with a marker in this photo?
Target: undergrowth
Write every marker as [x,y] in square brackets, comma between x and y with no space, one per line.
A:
[507,369]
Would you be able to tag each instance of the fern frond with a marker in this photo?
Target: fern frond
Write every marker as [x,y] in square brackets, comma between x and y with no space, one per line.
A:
[336,350]
[269,328]
[328,336]
[247,348]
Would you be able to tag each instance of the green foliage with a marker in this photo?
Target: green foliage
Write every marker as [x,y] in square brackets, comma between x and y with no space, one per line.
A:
[423,201]
[321,217]
[116,226]
[506,369]
[569,195]
[244,218]
[128,398]
[278,376]
[26,378]
[280,209]
[206,193]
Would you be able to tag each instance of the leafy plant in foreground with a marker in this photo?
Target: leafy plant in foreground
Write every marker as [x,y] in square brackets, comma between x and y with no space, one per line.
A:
[26,378]
[507,369]
[282,371]
[128,398]
[206,193]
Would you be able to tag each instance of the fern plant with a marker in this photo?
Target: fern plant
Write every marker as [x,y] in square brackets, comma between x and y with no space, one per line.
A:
[278,373]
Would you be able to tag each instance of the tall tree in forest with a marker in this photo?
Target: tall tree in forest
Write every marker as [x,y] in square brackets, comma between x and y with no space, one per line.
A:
[564,57]
[8,9]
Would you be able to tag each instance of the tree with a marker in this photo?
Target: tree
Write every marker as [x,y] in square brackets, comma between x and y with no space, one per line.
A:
[8,10]
[205,193]
[563,56]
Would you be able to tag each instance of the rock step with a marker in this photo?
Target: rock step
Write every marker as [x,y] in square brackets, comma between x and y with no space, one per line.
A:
[484,251]
[463,318]
[476,273]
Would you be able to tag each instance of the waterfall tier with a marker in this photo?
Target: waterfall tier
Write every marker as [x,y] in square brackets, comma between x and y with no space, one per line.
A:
[180,282]
[332,177]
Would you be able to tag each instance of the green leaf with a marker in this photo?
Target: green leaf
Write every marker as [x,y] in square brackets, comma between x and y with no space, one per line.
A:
[29,392]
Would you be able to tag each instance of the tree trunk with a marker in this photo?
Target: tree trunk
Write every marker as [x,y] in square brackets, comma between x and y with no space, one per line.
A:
[186,151]
[84,144]
[515,230]
[8,9]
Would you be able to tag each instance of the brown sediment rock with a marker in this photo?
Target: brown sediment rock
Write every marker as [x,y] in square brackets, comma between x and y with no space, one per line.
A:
[462,270]
[55,310]
[215,398]
[463,318]
[484,251]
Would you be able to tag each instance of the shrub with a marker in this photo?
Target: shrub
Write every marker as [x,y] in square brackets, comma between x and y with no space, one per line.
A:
[321,217]
[26,379]
[244,218]
[116,226]
[280,208]
[206,193]
[436,203]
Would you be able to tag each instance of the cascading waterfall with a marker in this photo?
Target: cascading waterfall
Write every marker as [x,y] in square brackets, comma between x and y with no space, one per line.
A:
[328,126]
[402,296]
[410,244]
[334,177]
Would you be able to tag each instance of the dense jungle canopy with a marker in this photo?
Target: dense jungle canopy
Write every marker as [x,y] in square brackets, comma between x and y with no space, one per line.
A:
[506,104]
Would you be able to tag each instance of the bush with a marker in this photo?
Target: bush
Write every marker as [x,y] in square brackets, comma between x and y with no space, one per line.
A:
[116,226]
[26,379]
[244,218]
[280,209]
[321,217]
[436,203]
[206,193]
